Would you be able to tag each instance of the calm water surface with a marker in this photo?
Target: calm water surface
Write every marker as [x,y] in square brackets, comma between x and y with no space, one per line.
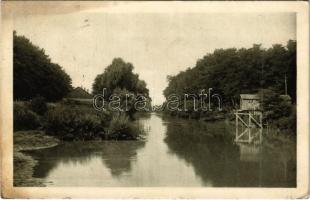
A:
[175,153]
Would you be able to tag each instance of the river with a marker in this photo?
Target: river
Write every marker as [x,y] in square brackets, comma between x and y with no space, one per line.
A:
[176,152]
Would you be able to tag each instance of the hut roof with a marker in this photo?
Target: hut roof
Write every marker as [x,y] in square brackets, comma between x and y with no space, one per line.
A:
[249,96]
[79,93]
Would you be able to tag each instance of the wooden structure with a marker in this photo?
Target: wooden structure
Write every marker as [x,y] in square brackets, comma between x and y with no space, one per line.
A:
[249,102]
[249,125]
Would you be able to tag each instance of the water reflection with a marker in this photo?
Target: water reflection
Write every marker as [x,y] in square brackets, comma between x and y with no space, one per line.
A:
[116,156]
[176,153]
[215,158]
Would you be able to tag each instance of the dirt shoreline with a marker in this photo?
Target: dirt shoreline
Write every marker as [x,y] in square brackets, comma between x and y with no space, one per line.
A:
[23,163]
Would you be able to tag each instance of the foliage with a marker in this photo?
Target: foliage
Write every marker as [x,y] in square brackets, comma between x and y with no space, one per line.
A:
[278,110]
[24,118]
[121,83]
[121,128]
[231,72]
[35,74]
[273,105]
[119,75]
[69,122]
[127,101]
[38,105]
[84,123]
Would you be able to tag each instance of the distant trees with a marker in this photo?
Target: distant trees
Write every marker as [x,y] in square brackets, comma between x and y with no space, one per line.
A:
[231,72]
[35,74]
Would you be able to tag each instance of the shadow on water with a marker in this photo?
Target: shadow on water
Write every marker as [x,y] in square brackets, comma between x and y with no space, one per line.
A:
[216,159]
[116,156]
[176,153]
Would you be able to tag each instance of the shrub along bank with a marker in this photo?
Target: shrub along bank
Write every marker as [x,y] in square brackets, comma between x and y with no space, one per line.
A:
[71,122]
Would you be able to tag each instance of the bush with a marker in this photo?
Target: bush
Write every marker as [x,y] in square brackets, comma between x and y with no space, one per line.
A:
[72,123]
[288,123]
[80,123]
[38,105]
[24,118]
[121,128]
[273,105]
[279,111]
[105,117]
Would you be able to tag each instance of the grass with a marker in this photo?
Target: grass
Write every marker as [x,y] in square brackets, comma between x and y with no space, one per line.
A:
[24,164]
[33,139]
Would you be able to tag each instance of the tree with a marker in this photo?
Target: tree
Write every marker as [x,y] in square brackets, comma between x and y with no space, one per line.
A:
[231,72]
[119,81]
[292,69]
[119,75]
[273,105]
[278,110]
[35,74]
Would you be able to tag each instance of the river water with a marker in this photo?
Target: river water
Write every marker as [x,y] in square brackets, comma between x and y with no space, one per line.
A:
[176,152]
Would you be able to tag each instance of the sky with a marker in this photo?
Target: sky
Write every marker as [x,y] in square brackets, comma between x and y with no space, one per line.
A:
[157,44]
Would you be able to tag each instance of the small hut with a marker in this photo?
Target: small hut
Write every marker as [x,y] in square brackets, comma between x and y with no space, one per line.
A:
[79,95]
[249,102]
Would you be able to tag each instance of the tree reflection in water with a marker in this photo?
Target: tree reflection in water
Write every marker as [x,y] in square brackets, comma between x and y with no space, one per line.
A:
[118,156]
[115,155]
[177,153]
[208,147]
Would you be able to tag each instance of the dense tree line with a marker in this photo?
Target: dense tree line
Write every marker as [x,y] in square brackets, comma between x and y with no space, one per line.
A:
[35,74]
[231,72]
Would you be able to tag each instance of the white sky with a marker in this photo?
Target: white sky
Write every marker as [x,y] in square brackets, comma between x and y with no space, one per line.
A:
[157,44]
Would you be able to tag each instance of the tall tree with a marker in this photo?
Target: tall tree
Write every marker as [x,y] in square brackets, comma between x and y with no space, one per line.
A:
[119,80]
[35,74]
[119,75]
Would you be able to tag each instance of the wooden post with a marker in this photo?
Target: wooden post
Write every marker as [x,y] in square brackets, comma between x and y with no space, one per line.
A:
[285,84]
[236,139]
[250,126]
[261,130]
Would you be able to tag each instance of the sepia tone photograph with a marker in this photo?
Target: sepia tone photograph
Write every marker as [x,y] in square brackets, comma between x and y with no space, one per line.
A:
[150,95]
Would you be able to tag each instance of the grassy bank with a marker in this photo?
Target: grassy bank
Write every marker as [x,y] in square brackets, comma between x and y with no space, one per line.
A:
[23,163]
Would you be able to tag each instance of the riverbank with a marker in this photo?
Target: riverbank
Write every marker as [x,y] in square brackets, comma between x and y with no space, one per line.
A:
[273,136]
[23,163]
[194,143]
